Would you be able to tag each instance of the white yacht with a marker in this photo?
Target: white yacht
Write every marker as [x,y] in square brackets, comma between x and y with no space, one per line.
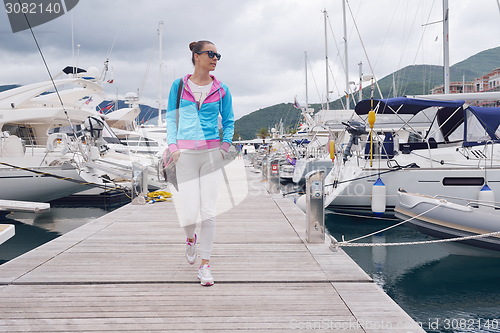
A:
[46,151]
[455,156]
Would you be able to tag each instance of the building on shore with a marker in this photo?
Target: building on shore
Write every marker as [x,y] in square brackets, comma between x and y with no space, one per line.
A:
[485,83]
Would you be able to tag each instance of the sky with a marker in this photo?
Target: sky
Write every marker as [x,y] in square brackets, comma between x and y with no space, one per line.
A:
[262,42]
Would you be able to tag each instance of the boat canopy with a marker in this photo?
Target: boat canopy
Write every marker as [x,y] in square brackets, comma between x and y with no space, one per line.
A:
[454,121]
[401,105]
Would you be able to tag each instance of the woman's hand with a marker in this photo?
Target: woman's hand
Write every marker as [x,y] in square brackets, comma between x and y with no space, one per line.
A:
[223,153]
[175,155]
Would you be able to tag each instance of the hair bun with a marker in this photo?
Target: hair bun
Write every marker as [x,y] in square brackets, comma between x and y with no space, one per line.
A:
[191,45]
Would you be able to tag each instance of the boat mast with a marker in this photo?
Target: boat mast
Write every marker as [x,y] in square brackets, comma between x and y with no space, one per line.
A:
[360,64]
[346,59]
[160,121]
[446,51]
[307,99]
[326,59]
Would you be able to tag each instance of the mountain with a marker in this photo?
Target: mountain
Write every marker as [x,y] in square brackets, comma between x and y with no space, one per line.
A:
[247,126]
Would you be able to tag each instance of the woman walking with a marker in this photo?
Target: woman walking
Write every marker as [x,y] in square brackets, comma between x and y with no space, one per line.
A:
[194,141]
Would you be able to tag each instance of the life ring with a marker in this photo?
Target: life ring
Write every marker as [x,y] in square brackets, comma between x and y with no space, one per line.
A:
[62,138]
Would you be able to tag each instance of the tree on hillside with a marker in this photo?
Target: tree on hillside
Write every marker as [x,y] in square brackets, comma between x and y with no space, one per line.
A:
[263,134]
[236,136]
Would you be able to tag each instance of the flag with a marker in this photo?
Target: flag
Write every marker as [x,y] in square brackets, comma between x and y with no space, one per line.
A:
[107,107]
[290,159]
[296,104]
[87,102]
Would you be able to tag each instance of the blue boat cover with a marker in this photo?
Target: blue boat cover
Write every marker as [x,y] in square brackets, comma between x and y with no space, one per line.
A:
[448,118]
[408,105]
[489,117]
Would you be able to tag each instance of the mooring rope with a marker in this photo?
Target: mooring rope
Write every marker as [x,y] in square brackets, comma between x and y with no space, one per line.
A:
[390,227]
[456,239]
[349,243]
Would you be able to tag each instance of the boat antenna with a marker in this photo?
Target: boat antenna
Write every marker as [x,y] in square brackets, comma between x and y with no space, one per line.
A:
[55,86]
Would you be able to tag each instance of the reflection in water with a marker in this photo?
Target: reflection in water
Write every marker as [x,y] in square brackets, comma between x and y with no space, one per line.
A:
[428,283]
[33,230]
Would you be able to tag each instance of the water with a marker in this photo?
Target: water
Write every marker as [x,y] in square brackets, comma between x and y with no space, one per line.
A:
[33,230]
[445,293]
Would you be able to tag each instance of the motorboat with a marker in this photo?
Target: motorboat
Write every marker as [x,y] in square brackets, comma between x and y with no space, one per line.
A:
[438,217]
[455,155]
[54,143]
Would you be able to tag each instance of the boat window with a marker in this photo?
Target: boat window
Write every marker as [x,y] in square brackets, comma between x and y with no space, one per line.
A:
[458,134]
[475,131]
[25,133]
[463,181]
[435,132]
[67,130]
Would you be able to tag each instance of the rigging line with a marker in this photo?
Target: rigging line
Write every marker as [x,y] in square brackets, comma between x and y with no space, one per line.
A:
[387,33]
[315,84]
[70,179]
[53,83]
[394,225]
[403,51]
[114,41]
[425,28]
[336,87]
[149,64]
[336,44]
[364,50]
[397,168]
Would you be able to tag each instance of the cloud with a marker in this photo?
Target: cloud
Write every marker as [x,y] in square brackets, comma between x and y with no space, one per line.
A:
[262,43]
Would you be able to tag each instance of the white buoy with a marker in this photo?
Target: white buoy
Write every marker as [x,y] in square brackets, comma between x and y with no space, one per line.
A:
[486,194]
[302,203]
[378,197]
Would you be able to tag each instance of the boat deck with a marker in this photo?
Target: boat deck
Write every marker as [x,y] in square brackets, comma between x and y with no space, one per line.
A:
[126,271]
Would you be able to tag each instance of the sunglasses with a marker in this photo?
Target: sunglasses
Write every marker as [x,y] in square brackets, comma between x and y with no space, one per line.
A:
[211,54]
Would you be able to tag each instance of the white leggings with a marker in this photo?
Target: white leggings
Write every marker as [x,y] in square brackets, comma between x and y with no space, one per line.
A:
[199,176]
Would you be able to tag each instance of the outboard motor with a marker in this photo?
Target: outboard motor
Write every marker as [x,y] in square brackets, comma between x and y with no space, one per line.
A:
[355,129]
[94,125]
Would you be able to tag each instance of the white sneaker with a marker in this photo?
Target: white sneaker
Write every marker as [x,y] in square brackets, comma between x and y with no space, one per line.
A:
[191,253]
[205,275]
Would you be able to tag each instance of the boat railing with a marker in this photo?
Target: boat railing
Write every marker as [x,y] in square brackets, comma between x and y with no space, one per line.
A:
[485,152]
[429,149]
[470,202]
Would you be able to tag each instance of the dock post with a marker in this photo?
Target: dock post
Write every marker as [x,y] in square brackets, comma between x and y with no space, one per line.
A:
[139,184]
[264,168]
[315,209]
[274,176]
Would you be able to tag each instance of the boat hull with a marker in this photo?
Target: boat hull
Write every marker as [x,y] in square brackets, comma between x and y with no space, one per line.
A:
[26,185]
[356,197]
[443,220]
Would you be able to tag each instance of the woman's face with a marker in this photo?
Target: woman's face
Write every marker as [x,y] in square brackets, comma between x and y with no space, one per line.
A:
[204,61]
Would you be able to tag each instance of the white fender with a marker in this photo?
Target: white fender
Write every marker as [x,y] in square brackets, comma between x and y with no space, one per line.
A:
[302,203]
[52,139]
[378,197]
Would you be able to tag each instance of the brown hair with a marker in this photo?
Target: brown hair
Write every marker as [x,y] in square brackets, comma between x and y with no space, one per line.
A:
[196,47]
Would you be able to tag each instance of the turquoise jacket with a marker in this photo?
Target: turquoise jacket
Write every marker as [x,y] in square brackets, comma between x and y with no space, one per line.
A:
[198,128]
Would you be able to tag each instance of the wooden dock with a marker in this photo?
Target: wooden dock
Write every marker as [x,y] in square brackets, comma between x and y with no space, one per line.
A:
[126,271]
